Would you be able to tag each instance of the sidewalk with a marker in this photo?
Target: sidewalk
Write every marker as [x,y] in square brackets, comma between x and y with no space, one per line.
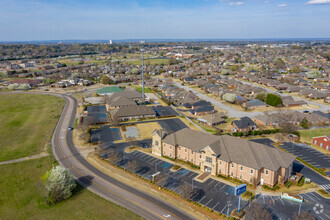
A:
[37,156]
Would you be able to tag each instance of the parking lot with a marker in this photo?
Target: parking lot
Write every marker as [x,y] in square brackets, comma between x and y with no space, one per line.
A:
[212,193]
[308,154]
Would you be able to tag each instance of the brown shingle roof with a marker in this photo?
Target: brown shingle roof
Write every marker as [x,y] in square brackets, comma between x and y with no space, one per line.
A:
[232,149]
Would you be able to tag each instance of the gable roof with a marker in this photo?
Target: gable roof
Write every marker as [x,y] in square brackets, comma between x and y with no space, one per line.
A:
[130,111]
[244,122]
[121,101]
[231,149]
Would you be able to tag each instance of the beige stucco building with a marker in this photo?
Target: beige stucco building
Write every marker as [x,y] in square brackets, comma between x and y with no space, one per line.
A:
[225,155]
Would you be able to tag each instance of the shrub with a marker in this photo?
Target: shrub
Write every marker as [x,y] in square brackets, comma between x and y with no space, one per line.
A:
[273,100]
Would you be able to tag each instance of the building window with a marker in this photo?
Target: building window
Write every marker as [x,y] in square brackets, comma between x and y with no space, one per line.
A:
[171,147]
[250,179]
[315,142]
[321,145]
[208,159]
[240,176]
[199,163]
[327,147]
[220,162]
[191,160]
[200,156]
[219,170]
[251,171]
[266,172]
[232,165]
[241,167]
[156,143]
[232,173]
[179,148]
[192,152]
[185,157]
[170,155]
[185,150]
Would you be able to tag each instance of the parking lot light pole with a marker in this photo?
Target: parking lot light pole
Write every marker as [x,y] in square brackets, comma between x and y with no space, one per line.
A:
[239,203]
[229,204]
[192,184]
[299,210]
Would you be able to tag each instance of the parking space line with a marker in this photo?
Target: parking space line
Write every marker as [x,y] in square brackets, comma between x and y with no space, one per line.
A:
[210,182]
[216,185]
[195,196]
[176,187]
[309,197]
[222,187]
[201,199]
[290,202]
[208,202]
[223,208]
[215,205]
[281,201]
[314,196]
[191,174]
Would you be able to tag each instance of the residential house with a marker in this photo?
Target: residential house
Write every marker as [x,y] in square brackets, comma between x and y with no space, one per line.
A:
[125,113]
[244,124]
[225,155]
[213,119]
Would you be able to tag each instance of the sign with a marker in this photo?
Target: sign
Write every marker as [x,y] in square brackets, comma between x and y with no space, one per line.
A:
[240,189]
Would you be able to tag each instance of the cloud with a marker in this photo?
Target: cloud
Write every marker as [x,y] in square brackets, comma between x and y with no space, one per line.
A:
[318,2]
[233,2]
[282,5]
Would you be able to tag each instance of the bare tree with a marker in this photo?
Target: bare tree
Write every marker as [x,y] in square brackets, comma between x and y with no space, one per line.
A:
[286,121]
[132,166]
[187,192]
[85,135]
[257,212]
[304,215]
[114,156]
[161,179]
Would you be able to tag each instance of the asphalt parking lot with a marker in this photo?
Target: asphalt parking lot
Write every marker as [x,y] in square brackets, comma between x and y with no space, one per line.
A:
[106,134]
[173,124]
[308,154]
[284,209]
[212,193]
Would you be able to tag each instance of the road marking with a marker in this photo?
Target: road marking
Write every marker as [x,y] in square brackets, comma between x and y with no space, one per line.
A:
[216,185]
[223,208]
[201,199]
[210,182]
[281,201]
[195,196]
[312,194]
[191,174]
[215,205]
[208,202]
[177,187]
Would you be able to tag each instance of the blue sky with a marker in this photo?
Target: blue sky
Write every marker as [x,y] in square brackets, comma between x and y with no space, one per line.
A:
[160,19]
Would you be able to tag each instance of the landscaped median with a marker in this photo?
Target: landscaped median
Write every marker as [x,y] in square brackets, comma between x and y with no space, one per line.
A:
[320,171]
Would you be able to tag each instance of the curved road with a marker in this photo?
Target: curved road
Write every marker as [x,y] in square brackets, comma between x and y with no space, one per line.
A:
[96,181]
[67,155]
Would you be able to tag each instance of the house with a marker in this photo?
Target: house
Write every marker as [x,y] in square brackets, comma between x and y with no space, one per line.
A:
[213,119]
[200,103]
[245,124]
[203,110]
[125,113]
[267,120]
[288,101]
[322,141]
[225,155]
[254,103]
[117,102]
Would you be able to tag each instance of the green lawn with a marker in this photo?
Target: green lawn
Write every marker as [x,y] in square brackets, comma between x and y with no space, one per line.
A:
[305,134]
[27,122]
[21,197]
[150,62]
[139,88]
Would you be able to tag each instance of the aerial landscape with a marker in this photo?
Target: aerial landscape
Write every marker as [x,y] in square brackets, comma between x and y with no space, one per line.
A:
[200,109]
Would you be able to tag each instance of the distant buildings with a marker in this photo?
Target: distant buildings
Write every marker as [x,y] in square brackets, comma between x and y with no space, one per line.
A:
[322,141]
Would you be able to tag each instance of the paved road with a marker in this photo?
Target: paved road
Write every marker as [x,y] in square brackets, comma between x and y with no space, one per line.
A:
[96,181]
[322,107]
[231,112]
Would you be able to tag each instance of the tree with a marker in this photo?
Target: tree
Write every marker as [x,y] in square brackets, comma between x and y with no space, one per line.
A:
[304,215]
[285,121]
[304,123]
[114,156]
[261,97]
[132,166]
[279,63]
[257,212]
[273,100]
[59,184]
[106,80]
[161,179]
[229,97]
[13,86]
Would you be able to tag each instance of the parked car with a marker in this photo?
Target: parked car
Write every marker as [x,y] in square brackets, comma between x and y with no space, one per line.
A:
[70,128]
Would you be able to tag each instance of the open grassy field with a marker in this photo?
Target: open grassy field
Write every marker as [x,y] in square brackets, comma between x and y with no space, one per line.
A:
[149,62]
[21,197]
[305,134]
[27,122]
[146,129]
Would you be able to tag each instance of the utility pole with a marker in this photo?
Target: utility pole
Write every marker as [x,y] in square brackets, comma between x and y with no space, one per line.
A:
[142,42]
[228,204]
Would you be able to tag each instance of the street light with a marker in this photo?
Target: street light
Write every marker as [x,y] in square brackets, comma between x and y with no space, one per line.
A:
[192,184]
[142,42]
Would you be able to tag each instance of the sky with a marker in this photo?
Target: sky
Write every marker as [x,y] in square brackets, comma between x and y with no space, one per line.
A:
[25,20]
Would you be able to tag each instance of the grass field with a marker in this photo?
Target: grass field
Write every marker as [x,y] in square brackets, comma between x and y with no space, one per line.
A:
[146,129]
[305,134]
[21,197]
[149,62]
[27,122]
